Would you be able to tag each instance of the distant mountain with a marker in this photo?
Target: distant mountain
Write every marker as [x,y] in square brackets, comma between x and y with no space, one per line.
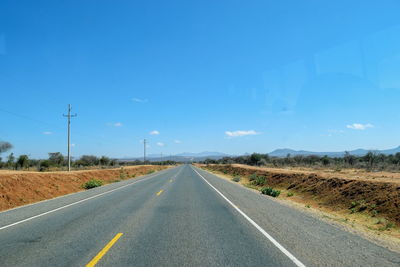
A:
[357,152]
[182,157]
[188,156]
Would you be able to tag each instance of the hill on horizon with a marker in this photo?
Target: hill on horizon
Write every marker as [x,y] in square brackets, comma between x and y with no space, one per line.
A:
[357,152]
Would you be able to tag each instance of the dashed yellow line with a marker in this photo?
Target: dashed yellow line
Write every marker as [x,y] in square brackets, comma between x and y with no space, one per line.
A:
[159,193]
[100,255]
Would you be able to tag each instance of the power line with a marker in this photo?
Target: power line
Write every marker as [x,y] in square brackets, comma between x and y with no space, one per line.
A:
[28,118]
[76,133]
[69,116]
[40,122]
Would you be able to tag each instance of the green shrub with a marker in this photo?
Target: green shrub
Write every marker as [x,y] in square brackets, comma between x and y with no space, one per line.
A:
[150,171]
[270,192]
[354,204]
[386,225]
[236,179]
[44,165]
[122,174]
[253,177]
[259,180]
[92,184]
[358,206]
[290,194]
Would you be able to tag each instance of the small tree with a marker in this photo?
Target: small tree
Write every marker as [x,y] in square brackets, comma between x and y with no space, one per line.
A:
[23,161]
[5,146]
[88,160]
[56,159]
[44,165]
[262,162]
[104,161]
[325,160]
[10,160]
[349,159]
[254,159]
[370,159]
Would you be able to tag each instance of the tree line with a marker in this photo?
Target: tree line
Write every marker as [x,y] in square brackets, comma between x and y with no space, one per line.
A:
[57,161]
[370,161]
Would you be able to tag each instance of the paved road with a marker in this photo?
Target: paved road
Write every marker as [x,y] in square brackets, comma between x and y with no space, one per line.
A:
[177,217]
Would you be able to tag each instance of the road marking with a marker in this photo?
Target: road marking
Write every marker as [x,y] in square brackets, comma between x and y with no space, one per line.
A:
[159,193]
[75,203]
[270,238]
[102,252]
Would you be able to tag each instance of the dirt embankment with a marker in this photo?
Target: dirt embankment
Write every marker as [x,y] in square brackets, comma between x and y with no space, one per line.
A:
[375,197]
[21,187]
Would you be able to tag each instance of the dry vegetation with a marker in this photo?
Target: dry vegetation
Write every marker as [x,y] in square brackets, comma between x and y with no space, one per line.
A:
[22,187]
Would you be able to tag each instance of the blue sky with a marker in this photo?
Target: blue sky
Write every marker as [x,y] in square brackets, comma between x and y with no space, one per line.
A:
[229,76]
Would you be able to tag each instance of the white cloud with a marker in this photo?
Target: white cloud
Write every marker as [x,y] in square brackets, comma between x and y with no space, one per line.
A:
[177,141]
[241,133]
[73,145]
[139,100]
[160,144]
[336,131]
[115,124]
[155,132]
[359,126]
[47,133]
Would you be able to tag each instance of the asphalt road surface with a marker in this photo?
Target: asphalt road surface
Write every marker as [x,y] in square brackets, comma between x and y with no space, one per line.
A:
[182,216]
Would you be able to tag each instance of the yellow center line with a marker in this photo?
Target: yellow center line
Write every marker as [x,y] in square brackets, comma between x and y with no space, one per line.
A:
[100,255]
[159,193]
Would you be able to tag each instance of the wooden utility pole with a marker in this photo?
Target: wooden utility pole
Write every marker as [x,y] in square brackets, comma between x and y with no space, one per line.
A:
[69,116]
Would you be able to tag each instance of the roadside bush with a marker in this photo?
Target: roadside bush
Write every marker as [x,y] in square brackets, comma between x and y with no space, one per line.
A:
[253,177]
[44,165]
[236,179]
[358,206]
[290,194]
[122,174]
[258,179]
[269,191]
[92,184]
[150,171]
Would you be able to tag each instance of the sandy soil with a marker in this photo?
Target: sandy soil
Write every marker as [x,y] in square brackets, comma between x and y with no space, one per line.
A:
[23,187]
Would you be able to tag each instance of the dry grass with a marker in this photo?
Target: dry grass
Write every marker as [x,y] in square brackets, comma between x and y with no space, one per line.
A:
[23,187]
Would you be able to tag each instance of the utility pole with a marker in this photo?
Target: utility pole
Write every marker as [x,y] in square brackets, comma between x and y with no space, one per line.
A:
[144,151]
[69,116]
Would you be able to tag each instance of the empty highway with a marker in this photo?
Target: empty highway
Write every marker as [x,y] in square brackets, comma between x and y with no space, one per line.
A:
[183,216]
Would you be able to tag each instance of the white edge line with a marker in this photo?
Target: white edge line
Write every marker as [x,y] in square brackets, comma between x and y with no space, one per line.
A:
[139,178]
[270,238]
[75,203]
